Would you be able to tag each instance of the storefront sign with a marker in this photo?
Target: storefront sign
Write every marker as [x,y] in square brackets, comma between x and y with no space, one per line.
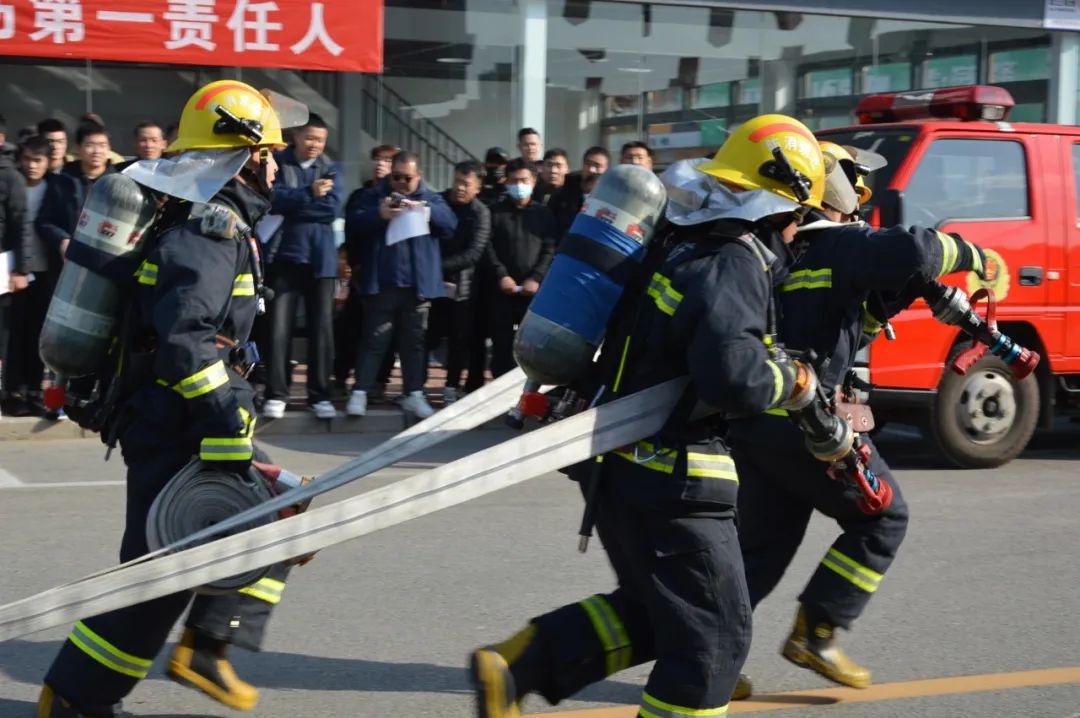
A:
[715,95]
[890,77]
[1031,63]
[950,71]
[302,34]
[1062,15]
[835,82]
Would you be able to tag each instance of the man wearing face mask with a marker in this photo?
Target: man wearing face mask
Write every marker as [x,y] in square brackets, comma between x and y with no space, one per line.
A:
[522,247]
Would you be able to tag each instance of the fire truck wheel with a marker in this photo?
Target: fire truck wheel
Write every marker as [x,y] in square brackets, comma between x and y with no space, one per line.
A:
[984,418]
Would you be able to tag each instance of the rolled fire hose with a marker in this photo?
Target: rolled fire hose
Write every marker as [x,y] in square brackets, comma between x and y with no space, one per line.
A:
[200,496]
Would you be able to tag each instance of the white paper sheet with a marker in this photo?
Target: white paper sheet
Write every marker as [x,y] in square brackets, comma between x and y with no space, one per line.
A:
[411,223]
[7,266]
[7,263]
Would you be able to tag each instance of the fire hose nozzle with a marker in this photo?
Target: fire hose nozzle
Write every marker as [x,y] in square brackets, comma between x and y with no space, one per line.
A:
[835,445]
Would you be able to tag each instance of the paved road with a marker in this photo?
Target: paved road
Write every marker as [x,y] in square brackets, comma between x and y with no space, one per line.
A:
[987,583]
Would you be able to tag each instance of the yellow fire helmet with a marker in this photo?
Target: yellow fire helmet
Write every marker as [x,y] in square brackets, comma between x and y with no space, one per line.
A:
[842,182]
[775,153]
[857,164]
[230,114]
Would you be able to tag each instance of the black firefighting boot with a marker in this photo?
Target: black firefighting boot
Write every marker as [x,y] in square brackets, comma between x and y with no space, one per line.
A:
[812,644]
[504,673]
[50,705]
[200,662]
[744,688]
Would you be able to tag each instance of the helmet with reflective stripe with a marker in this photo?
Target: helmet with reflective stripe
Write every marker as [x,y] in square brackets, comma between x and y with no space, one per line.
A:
[775,153]
[227,114]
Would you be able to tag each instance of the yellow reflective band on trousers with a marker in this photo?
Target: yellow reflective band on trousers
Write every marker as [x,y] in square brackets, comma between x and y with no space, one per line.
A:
[808,279]
[226,449]
[852,570]
[667,299]
[244,285]
[700,465]
[611,632]
[147,273]
[203,381]
[107,654]
[949,252]
[652,707]
[265,589]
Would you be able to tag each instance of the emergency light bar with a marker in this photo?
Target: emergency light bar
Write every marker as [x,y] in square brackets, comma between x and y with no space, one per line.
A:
[971,102]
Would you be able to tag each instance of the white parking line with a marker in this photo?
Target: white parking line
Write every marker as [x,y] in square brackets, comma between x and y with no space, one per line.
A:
[7,481]
[62,484]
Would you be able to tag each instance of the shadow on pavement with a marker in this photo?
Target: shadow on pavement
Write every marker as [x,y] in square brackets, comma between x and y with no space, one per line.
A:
[27,661]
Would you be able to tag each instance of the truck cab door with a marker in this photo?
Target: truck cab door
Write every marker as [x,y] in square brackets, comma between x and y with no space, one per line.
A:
[981,187]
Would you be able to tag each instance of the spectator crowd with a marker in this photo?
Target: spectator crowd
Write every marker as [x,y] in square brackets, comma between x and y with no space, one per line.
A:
[421,272]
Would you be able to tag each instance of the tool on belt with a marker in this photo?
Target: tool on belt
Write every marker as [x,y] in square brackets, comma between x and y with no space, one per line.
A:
[951,306]
[831,438]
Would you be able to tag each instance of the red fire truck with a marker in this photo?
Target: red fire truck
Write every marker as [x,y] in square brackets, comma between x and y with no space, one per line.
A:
[957,164]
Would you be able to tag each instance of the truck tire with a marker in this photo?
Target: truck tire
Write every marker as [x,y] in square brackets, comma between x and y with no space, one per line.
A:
[984,418]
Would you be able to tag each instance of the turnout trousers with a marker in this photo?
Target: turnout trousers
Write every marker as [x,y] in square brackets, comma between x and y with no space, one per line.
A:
[681,601]
[105,656]
[779,488]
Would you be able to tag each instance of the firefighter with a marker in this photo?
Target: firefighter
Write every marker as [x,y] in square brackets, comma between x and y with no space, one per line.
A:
[196,295]
[665,506]
[827,302]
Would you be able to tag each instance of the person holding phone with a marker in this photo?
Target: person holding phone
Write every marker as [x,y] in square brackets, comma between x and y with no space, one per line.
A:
[302,262]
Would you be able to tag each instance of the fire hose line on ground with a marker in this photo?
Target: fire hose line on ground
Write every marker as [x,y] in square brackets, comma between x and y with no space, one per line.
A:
[569,441]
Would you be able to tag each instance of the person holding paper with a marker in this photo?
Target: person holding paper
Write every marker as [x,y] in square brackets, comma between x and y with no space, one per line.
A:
[395,232]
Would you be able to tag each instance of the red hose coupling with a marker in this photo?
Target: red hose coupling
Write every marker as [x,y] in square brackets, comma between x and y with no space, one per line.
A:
[533,403]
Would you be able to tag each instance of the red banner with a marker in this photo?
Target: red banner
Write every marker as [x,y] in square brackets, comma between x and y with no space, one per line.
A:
[300,34]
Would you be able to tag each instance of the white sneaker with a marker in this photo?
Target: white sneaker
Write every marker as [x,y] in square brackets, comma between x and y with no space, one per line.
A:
[273,409]
[450,395]
[415,403]
[324,410]
[357,405]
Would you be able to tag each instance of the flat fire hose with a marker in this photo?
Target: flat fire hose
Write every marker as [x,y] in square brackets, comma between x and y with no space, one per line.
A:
[566,442]
[492,400]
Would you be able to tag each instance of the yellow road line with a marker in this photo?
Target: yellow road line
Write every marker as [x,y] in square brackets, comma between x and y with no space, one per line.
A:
[882,692]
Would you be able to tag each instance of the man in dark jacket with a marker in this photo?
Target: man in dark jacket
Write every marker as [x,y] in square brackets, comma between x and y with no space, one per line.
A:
[303,264]
[566,202]
[93,148]
[523,238]
[399,276]
[452,316]
[52,212]
[15,237]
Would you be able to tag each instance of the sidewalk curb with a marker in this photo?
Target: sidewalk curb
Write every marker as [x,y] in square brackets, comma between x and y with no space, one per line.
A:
[387,421]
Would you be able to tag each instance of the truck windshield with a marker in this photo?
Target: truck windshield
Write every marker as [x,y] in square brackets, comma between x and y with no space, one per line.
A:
[893,143]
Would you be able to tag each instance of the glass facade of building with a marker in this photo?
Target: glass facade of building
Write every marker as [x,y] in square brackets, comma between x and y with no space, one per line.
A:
[464,75]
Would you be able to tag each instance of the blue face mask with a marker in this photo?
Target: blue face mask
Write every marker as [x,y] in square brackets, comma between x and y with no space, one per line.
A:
[519,191]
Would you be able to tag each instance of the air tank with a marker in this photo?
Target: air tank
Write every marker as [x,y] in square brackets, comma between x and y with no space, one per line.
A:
[82,317]
[565,322]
